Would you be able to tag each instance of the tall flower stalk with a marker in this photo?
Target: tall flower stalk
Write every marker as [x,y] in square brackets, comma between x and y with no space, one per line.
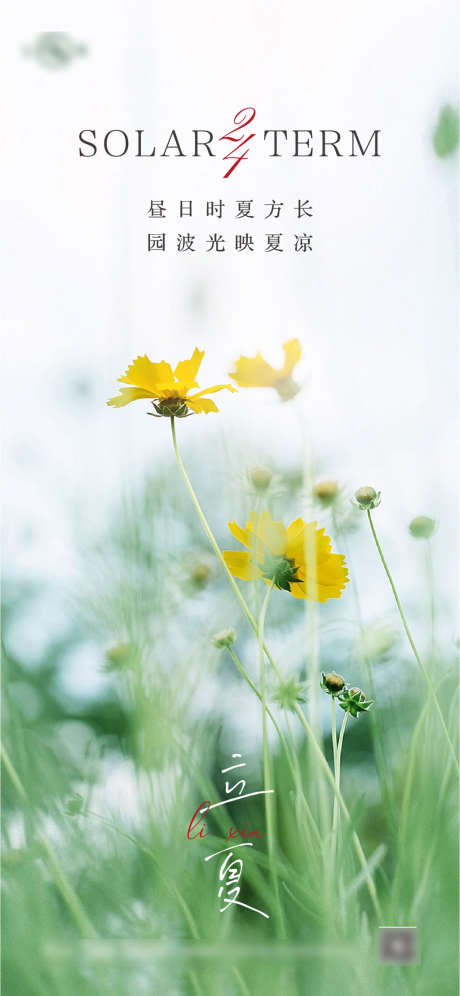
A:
[376,732]
[306,725]
[286,559]
[204,522]
[268,798]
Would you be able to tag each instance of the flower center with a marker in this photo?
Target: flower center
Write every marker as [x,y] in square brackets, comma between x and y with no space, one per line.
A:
[281,570]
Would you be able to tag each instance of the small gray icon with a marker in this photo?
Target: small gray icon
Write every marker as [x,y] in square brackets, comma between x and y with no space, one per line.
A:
[398,945]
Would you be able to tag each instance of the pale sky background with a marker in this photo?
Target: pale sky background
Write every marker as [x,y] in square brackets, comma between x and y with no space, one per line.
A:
[375,304]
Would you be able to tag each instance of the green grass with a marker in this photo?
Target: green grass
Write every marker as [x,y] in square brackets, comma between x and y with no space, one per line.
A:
[102,890]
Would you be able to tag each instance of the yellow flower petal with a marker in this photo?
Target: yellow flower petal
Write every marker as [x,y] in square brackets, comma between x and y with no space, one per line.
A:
[243,535]
[240,565]
[198,403]
[261,534]
[187,370]
[271,533]
[128,394]
[202,406]
[292,355]
[314,591]
[212,390]
[143,373]
[323,574]
[295,540]
[254,371]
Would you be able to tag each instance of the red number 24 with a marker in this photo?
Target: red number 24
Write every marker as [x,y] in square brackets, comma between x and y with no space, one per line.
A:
[241,119]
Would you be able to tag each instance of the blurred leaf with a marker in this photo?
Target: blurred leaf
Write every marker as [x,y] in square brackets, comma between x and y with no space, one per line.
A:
[446,133]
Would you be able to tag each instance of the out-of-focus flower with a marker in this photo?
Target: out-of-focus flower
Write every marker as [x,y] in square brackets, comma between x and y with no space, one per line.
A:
[326,492]
[168,390]
[226,638]
[298,559]
[422,527]
[375,641]
[55,49]
[260,478]
[367,498]
[254,371]
[354,701]
[288,692]
[120,657]
[200,573]
[332,683]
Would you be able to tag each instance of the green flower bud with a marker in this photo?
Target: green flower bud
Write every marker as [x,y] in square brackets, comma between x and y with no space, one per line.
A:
[287,388]
[422,527]
[260,478]
[354,701]
[119,657]
[200,574]
[226,638]
[326,492]
[367,498]
[332,683]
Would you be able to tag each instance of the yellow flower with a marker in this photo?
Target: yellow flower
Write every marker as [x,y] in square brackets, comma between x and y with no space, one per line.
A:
[298,559]
[254,371]
[167,389]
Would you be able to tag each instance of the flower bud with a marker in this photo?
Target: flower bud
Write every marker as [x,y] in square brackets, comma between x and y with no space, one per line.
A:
[287,388]
[226,638]
[367,498]
[200,574]
[326,492]
[354,701]
[422,527]
[332,683]
[260,478]
[119,657]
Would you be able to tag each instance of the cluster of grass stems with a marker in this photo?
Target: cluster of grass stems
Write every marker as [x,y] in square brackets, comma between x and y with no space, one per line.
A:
[360,831]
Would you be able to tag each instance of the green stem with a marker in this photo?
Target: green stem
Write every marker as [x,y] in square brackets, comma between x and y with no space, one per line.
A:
[291,760]
[356,841]
[269,816]
[431,594]
[216,548]
[337,780]
[253,623]
[336,815]
[412,644]
[65,888]
[377,739]
[340,745]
